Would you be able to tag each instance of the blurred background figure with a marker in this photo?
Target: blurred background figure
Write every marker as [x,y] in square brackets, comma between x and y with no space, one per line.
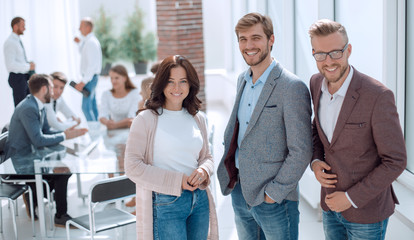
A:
[91,64]
[58,104]
[20,69]
[145,91]
[120,104]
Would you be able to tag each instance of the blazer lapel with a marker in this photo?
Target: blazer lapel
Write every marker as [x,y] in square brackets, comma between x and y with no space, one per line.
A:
[350,100]
[267,90]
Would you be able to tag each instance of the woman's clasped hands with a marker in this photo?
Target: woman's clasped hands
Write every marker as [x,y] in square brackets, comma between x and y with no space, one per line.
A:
[193,181]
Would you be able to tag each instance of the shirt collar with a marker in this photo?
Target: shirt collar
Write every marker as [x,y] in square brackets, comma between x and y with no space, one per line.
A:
[15,36]
[89,35]
[344,88]
[39,103]
[263,77]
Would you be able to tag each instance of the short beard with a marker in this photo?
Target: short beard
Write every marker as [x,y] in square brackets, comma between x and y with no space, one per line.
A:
[263,56]
[341,74]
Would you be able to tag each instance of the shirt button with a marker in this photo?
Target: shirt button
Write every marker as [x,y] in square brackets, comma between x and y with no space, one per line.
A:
[248,104]
[247,123]
[252,86]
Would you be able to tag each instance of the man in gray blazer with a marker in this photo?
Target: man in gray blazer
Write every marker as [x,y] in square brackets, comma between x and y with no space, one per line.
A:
[268,142]
[359,147]
[29,130]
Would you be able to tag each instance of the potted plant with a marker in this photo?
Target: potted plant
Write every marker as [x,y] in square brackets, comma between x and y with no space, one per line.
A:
[103,31]
[137,45]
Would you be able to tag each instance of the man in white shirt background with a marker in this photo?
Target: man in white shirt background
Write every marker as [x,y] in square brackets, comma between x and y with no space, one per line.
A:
[91,64]
[58,105]
[17,65]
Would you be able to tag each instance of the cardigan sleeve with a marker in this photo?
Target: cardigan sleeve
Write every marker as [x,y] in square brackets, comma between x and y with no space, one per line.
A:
[205,160]
[138,152]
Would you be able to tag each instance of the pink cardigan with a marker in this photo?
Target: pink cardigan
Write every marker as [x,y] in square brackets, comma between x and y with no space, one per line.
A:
[138,167]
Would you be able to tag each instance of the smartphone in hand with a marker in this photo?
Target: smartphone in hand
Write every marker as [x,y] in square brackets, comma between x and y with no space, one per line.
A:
[85,92]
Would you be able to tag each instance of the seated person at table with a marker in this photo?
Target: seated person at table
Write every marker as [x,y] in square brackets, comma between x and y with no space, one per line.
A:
[145,91]
[119,105]
[29,130]
[57,104]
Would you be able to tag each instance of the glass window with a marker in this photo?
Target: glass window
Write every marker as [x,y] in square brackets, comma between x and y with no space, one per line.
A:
[409,80]
[365,33]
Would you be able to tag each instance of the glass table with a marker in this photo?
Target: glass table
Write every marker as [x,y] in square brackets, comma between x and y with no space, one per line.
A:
[98,153]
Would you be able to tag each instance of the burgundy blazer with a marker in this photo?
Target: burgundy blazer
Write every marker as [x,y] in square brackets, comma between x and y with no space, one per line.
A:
[367,151]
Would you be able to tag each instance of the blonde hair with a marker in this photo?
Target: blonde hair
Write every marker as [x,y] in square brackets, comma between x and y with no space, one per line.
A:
[251,19]
[324,27]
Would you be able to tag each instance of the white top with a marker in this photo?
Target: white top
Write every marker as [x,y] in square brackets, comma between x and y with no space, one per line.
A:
[119,108]
[330,105]
[177,142]
[14,55]
[91,57]
[62,107]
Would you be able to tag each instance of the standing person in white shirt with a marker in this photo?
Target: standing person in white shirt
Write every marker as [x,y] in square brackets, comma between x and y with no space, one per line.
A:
[59,105]
[16,61]
[91,64]
[120,104]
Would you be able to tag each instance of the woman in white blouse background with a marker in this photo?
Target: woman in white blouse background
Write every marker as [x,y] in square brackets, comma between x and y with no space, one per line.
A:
[120,104]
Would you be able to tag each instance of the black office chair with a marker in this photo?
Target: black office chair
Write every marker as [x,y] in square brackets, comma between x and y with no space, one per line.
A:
[105,191]
[12,191]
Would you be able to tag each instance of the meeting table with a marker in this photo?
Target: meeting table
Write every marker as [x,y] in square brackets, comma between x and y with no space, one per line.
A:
[100,152]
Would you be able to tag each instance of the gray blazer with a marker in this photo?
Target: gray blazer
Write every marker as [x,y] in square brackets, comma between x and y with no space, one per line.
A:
[27,129]
[277,145]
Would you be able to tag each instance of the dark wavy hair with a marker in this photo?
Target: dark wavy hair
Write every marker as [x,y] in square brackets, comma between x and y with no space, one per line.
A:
[157,99]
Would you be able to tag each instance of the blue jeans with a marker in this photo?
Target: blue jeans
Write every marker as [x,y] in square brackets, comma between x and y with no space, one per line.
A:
[89,107]
[183,217]
[336,227]
[265,221]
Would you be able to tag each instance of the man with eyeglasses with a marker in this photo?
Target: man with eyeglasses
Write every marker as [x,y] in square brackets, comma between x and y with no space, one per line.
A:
[359,147]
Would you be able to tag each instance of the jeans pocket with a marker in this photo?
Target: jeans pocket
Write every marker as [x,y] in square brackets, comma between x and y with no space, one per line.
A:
[164,199]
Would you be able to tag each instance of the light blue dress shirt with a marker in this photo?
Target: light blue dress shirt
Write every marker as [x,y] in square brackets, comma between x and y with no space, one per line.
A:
[250,95]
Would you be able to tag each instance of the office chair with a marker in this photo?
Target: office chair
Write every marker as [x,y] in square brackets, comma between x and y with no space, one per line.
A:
[12,191]
[105,191]
[5,178]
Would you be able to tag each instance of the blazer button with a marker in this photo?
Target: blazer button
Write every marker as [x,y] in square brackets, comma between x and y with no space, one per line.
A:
[331,151]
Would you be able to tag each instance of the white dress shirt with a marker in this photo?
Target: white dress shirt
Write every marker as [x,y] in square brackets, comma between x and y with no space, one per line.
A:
[91,57]
[14,55]
[62,107]
[329,108]
[117,109]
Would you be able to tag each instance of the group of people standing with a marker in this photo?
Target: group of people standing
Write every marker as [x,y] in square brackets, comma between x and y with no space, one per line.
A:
[354,144]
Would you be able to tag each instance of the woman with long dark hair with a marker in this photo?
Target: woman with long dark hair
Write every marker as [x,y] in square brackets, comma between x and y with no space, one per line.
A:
[168,157]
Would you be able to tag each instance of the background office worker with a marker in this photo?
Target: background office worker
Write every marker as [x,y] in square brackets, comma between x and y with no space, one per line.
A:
[267,141]
[58,105]
[359,147]
[30,130]
[119,104]
[16,61]
[91,64]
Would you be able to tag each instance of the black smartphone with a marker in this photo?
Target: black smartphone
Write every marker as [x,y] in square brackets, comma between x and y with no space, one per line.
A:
[85,92]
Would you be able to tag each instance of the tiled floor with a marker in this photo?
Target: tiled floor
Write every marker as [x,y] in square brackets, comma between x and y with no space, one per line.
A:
[310,228]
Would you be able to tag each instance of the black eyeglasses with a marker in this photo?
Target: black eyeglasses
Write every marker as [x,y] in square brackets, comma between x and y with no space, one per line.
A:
[337,54]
